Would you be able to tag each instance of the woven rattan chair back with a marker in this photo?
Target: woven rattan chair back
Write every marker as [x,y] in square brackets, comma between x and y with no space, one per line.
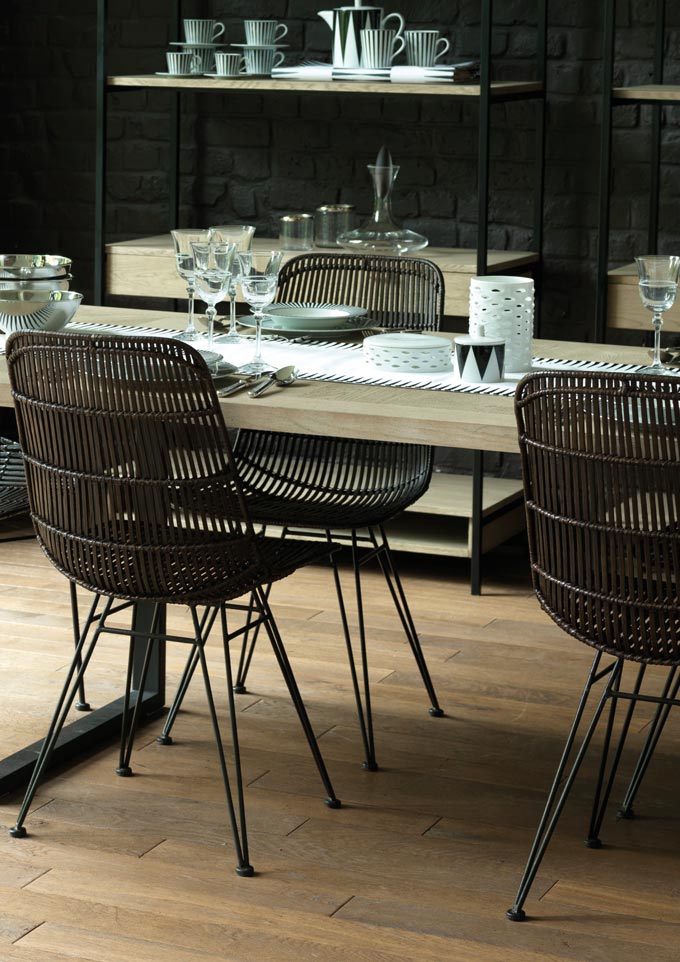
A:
[601,460]
[13,496]
[398,292]
[131,484]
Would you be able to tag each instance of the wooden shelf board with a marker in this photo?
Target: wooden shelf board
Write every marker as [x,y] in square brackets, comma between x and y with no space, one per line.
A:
[451,495]
[145,268]
[499,89]
[624,307]
[653,93]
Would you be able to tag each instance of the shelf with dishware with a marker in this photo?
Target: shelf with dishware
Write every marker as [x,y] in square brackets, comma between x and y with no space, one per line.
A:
[498,90]
[145,267]
[624,308]
[648,94]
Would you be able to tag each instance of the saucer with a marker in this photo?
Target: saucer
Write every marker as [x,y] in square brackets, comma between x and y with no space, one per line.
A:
[164,73]
[202,46]
[260,46]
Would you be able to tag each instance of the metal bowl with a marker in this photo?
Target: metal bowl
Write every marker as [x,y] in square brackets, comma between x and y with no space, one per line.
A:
[37,310]
[31,266]
[43,284]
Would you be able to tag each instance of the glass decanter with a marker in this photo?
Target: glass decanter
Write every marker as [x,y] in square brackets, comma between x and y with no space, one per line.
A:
[381,233]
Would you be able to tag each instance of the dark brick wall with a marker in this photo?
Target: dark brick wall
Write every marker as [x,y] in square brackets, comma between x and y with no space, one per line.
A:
[254,157]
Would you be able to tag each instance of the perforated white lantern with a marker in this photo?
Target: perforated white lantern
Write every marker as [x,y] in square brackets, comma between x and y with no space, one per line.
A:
[503,307]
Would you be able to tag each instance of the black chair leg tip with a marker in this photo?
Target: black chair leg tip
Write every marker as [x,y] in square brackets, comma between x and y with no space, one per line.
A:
[593,843]
[333,802]
[124,771]
[240,690]
[19,832]
[628,813]
[245,871]
[164,740]
[369,766]
[516,915]
[83,706]
[436,712]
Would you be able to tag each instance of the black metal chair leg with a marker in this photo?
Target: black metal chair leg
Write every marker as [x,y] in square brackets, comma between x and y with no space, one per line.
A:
[82,703]
[129,725]
[656,728]
[240,841]
[284,664]
[165,737]
[601,801]
[555,805]
[396,588]
[248,647]
[68,694]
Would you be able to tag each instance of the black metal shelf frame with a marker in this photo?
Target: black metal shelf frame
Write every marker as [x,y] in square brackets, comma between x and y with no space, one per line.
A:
[609,101]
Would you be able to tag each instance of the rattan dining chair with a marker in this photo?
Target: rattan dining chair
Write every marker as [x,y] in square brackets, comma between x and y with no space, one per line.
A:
[13,495]
[336,487]
[601,462]
[135,496]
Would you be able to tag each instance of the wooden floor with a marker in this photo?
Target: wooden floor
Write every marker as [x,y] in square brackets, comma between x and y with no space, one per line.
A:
[423,859]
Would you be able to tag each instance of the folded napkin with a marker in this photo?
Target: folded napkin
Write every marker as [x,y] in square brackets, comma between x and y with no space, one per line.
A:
[464,72]
[305,71]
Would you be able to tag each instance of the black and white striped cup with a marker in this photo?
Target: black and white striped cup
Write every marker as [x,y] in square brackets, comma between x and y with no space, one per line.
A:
[228,64]
[181,63]
[479,359]
[264,32]
[202,31]
[425,47]
[379,47]
[262,60]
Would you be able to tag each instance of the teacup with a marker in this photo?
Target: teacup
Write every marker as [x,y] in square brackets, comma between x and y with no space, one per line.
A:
[202,31]
[203,59]
[262,60]
[379,47]
[228,64]
[425,47]
[264,32]
[180,62]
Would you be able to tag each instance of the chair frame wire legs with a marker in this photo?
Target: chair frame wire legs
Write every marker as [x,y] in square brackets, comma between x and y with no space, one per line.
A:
[82,703]
[259,603]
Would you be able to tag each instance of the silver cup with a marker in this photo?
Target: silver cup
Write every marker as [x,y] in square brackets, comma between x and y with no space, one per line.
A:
[262,60]
[425,47]
[379,47]
[203,31]
[264,32]
[331,220]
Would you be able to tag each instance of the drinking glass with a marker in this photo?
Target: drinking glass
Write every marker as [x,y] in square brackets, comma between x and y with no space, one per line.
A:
[184,262]
[241,235]
[259,280]
[212,277]
[658,285]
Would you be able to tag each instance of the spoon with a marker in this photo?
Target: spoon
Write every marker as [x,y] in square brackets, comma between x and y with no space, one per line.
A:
[282,378]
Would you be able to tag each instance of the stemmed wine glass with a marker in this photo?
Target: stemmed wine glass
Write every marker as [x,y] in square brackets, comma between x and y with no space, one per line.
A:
[184,262]
[259,280]
[241,235]
[658,285]
[212,277]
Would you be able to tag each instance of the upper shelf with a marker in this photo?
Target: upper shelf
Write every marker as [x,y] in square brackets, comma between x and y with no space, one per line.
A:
[649,93]
[500,90]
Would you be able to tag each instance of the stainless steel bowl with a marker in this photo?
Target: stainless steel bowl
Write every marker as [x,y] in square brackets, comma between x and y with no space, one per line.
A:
[31,266]
[37,310]
[42,284]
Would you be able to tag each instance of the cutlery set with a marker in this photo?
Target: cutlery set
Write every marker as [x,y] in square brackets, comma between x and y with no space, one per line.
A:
[281,378]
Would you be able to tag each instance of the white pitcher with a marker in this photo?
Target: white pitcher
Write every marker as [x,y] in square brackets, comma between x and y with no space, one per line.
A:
[347,24]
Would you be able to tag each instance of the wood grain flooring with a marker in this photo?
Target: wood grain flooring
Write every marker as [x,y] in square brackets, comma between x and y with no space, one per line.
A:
[424,857]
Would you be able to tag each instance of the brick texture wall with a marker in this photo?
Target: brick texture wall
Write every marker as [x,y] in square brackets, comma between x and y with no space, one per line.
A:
[255,157]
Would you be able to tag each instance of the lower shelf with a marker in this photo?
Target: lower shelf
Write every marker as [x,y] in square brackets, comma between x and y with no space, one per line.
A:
[440,523]
[146,268]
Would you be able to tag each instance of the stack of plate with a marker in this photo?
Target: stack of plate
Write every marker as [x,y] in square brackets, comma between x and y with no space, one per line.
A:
[34,292]
[305,318]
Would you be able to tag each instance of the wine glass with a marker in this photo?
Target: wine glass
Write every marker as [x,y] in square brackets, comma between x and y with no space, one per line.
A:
[241,235]
[259,280]
[212,277]
[184,262]
[658,285]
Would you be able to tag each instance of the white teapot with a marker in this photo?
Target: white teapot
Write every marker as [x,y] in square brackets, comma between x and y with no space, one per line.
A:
[347,24]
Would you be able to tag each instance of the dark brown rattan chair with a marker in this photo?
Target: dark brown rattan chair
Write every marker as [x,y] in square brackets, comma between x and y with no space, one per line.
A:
[337,485]
[135,496]
[601,461]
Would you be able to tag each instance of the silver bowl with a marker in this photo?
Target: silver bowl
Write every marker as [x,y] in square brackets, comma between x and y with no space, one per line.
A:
[20,267]
[43,284]
[37,310]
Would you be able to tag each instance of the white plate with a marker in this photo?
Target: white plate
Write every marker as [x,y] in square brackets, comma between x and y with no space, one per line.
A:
[260,46]
[270,326]
[303,315]
[203,46]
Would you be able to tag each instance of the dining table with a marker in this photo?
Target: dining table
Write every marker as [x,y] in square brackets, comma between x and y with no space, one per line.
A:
[473,420]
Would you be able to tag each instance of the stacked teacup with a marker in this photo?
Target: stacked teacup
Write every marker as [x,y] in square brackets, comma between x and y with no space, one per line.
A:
[196,53]
[261,51]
